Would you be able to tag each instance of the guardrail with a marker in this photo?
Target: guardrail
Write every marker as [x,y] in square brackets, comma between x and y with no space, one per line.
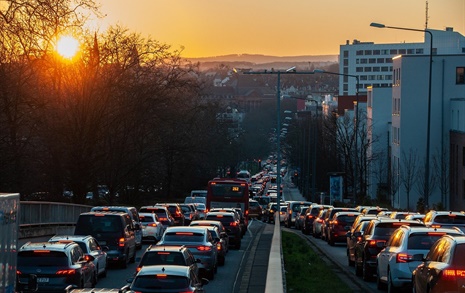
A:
[38,218]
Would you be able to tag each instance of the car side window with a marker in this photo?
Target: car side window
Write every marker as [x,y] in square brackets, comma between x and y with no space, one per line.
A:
[434,252]
[93,245]
[396,239]
[369,229]
[445,252]
[76,254]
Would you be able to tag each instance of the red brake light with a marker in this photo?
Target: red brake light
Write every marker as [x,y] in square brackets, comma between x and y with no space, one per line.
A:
[185,233]
[204,248]
[66,272]
[335,222]
[163,219]
[218,246]
[138,269]
[41,251]
[233,224]
[436,226]
[452,274]
[404,257]
[436,233]
[121,242]
[161,276]
[376,243]
[152,225]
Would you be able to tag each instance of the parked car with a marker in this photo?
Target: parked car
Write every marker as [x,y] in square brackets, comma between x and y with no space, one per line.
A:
[339,225]
[395,261]
[51,263]
[112,229]
[165,278]
[199,241]
[443,268]
[376,234]
[152,228]
[89,245]
[178,255]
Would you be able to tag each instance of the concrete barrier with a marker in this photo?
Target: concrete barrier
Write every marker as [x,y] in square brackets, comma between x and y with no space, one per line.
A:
[275,274]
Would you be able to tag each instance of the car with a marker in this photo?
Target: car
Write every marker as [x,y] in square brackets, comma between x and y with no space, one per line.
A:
[188,211]
[112,229]
[443,268]
[162,212]
[445,219]
[165,278]
[133,214]
[89,245]
[175,211]
[220,242]
[299,217]
[339,225]
[201,211]
[328,216]
[401,215]
[309,217]
[219,225]
[373,240]
[255,209]
[199,241]
[239,213]
[318,223]
[418,217]
[373,210]
[353,236]
[231,223]
[178,255]
[263,201]
[152,228]
[56,266]
[293,208]
[395,261]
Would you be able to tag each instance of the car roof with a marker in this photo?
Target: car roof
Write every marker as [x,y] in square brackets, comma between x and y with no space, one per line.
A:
[165,248]
[347,213]
[55,246]
[164,269]
[200,222]
[420,229]
[70,237]
[197,229]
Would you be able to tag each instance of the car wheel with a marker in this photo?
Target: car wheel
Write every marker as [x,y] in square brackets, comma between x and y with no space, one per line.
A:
[221,261]
[350,262]
[104,273]
[390,286]
[211,274]
[94,280]
[379,284]
[133,258]
[366,274]
[358,269]
[331,241]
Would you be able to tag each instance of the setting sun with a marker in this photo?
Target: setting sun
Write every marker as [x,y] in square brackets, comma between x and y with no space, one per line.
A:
[67,46]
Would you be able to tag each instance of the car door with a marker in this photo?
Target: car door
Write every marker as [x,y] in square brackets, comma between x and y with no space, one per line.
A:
[422,272]
[388,252]
[77,257]
[97,252]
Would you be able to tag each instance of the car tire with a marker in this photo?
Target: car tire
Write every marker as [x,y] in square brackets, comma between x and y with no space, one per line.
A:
[331,241]
[379,284]
[358,269]
[221,260]
[366,271]
[211,274]
[350,262]
[104,273]
[390,286]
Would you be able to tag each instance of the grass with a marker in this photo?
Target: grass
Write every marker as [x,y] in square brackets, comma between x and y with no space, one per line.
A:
[305,270]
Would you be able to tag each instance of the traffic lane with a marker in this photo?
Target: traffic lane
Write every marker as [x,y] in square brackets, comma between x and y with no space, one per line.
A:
[227,279]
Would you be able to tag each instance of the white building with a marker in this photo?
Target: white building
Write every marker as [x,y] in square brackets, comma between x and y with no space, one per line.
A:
[372,63]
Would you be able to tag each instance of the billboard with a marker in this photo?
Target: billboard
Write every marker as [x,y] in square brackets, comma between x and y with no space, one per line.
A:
[335,187]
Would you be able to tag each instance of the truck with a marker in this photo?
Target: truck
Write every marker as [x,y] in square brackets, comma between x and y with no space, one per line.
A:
[9,228]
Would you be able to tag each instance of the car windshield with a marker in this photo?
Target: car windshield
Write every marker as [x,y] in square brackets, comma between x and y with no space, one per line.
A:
[183,237]
[163,258]
[42,258]
[161,281]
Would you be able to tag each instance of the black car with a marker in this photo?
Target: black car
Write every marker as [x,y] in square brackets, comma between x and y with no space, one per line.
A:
[231,223]
[56,265]
[373,241]
[176,212]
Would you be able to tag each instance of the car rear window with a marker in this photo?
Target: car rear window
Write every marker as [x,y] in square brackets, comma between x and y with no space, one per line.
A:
[422,241]
[146,219]
[163,258]
[98,223]
[346,219]
[226,219]
[42,258]
[386,229]
[183,237]
[448,219]
[162,281]
[458,259]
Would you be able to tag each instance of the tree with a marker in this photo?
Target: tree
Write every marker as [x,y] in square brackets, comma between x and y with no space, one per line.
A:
[420,184]
[441,167]
[408,172]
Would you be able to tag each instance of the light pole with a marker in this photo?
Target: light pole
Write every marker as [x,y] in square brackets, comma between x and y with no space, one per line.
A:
[428,109]
[315,145]
[355,124]
[291,70]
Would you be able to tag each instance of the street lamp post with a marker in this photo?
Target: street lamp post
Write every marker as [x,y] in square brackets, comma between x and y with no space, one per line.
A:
[315,145]
[428,123]
[357,87]
[291,70]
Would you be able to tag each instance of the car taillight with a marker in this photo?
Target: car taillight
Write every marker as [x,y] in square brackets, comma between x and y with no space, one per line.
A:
[335,222]
[376,243]
[319,220]
[404,257]
[152,225]
[204,248]
[18,272]
[163,219]
[66,272]
[233,224]
[452,274]
[309,216]
[218,246]
[138,269]
[121,242]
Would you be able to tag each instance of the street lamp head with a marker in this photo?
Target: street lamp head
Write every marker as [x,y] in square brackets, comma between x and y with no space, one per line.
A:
[378,25]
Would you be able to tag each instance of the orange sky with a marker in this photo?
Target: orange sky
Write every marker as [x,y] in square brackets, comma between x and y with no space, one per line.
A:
[278,27]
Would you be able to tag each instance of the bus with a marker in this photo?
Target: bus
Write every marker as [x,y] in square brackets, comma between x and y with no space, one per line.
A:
[229,193]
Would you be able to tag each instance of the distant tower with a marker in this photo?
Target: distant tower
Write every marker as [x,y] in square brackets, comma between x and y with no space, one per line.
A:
[426,20]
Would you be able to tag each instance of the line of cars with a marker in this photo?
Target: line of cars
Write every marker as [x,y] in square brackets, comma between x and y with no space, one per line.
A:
[108,236]
[400,250]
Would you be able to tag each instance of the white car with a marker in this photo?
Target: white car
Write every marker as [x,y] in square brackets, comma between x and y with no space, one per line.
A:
[152,229]
[396,261]
[89,245]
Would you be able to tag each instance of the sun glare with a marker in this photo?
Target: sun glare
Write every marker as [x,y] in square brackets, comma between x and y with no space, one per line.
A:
[67,46]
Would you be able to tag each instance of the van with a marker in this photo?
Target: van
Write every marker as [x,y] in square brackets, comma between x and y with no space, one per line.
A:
[132,212]
[112,229]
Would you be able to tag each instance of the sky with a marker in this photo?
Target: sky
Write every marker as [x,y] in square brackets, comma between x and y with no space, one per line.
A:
[206,28]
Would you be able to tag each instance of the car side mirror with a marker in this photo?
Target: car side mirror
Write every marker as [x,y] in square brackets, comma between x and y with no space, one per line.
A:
[87,258]
[223,234]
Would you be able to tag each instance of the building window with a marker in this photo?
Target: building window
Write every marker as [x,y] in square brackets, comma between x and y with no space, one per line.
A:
[359,52]
[363,61]
[410,51]
[384,68]
[376,52]
[419,51]
[380,60]
[393,51]
[388,77]
[346,62]
[346,54]
[359,69]
[367,69]
[402,51]
[388,60]
[384,52]
[460,75]
[363,77]
[368,52]
[345,87]
[376,69]
[372,60]
[371,77]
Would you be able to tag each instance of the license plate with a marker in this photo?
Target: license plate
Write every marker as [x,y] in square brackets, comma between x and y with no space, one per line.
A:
[42,280]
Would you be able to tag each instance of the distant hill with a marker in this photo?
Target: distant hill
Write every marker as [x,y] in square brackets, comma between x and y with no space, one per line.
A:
[264,61]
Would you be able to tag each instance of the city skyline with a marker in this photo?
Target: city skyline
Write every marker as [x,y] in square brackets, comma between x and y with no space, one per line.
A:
[207,28]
